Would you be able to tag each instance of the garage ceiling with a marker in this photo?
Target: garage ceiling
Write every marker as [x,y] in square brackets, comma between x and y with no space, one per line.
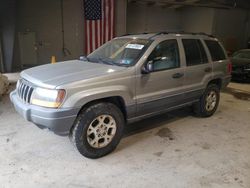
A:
[221,4]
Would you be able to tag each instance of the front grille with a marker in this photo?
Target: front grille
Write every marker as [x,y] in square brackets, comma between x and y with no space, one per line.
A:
[24,91]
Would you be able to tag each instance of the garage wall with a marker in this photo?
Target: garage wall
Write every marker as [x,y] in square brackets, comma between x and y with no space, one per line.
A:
[248,28]
[194,19]
[121,17]
[7,33]
[142,18]
[231,26]
[44,18]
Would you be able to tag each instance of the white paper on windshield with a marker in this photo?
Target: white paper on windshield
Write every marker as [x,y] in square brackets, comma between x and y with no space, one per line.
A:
[135,46]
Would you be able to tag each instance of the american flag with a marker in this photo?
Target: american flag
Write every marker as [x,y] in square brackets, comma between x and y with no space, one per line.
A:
[99,23]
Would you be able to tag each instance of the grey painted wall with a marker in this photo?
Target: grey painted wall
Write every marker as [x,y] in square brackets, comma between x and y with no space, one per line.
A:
[44,18]
[143,18]
[194,19]
[121,17]
[232,27]
[7,32]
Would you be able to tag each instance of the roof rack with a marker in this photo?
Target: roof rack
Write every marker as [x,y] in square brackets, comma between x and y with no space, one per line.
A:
[171,32]
[127,34]
[180,32]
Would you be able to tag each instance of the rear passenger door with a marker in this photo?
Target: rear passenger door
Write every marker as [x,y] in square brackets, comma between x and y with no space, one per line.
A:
[198,69]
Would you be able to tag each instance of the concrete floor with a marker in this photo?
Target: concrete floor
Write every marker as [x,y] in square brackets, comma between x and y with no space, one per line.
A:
[172,150]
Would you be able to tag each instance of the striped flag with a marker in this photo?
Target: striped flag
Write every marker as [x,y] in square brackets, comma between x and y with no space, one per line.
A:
[99,23]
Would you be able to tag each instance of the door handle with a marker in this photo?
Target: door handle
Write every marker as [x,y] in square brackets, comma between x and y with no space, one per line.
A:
[177,75]
[208,69]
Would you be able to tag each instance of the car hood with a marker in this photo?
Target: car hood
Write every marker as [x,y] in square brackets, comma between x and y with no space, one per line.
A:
[53,75]
[240,62]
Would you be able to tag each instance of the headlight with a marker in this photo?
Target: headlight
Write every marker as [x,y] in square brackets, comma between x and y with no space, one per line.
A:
[47,97]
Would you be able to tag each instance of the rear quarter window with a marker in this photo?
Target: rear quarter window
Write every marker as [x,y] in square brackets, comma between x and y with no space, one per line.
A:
[215,49]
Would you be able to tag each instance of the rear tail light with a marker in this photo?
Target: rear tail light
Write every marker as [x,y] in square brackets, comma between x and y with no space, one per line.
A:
[229,67]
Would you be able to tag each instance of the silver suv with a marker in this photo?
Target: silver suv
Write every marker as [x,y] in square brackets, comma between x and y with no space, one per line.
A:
[125,80]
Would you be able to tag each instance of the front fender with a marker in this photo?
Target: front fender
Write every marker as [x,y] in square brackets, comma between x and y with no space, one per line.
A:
[81,98]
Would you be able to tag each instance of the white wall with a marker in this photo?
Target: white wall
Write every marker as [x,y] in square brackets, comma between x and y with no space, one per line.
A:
[143,18]
[194,19]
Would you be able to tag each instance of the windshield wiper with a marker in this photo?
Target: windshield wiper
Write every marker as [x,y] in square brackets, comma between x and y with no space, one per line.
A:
[106,61]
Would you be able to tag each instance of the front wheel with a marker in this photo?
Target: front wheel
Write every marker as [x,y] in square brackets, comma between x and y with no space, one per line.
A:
[208,102]
[98,130]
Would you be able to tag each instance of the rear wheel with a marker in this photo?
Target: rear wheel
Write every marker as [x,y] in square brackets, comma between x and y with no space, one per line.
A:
[208,102]
[98,130]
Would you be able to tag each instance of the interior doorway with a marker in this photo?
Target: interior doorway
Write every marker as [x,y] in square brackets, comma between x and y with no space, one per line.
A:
[28,49]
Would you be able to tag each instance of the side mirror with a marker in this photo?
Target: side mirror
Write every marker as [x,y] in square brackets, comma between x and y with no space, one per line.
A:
[147,68]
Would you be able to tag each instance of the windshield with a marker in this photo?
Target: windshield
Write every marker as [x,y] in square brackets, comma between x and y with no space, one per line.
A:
[122,52]
[243,55]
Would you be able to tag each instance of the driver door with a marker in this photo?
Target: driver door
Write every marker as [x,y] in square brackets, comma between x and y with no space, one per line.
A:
[161,88]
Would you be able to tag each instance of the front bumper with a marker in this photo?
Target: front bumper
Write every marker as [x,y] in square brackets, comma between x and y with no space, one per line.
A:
[57,120]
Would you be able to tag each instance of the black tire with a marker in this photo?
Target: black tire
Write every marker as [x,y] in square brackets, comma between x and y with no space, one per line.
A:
[85,119]
[200,108]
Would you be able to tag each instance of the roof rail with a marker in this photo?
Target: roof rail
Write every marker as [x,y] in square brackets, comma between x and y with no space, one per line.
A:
[209,35]
[180,32]
[127,34]
[171,32]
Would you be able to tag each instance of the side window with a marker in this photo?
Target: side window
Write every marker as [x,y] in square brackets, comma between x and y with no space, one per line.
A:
[216,50]
[194,51]
[165,55]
